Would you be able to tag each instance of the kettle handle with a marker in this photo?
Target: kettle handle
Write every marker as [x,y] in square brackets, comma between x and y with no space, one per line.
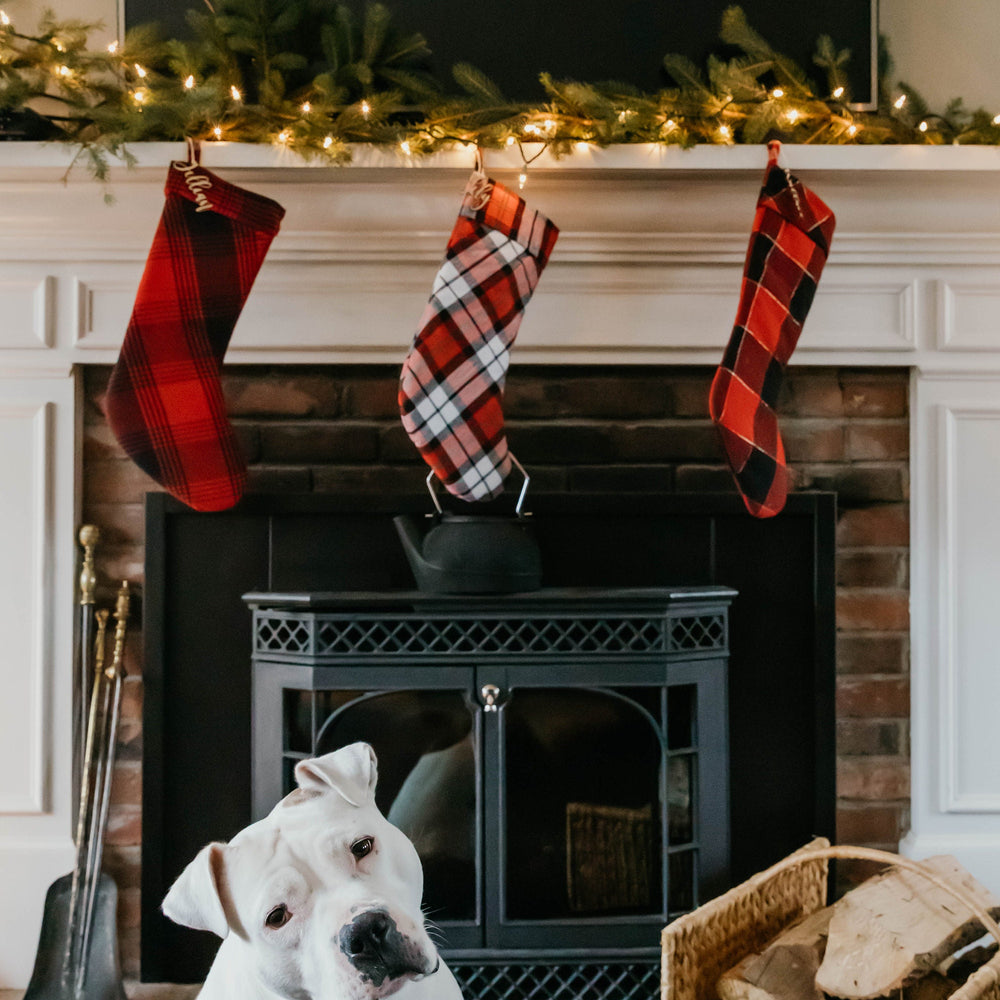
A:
[432,479]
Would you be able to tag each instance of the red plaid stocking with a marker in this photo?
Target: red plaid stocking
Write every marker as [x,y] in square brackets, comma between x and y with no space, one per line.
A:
[452,381]
[789,245]
[164,400]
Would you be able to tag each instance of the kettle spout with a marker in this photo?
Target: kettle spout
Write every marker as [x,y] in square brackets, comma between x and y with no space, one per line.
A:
[413,542]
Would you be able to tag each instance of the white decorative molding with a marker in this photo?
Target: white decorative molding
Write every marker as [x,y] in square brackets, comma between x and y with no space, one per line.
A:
[969,316]
[26,304]
[25,513]
[968,434]
[103,299]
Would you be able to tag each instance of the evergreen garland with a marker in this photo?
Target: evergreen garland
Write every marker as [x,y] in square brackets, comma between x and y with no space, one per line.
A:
[315,77]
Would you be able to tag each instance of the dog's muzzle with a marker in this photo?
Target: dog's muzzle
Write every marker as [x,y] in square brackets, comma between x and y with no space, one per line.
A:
[377,948]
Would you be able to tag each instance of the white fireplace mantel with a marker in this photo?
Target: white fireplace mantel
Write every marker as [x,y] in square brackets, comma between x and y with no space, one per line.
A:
[646,270]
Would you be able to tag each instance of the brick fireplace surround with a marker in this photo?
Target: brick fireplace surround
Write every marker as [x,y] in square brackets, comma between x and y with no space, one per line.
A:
[336,429]
[892,401]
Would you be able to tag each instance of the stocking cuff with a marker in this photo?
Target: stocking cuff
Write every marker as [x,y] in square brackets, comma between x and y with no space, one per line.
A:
[794,202]
[491,204]
[210,193]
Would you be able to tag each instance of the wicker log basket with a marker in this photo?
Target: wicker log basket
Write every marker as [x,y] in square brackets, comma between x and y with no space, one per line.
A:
[700,946]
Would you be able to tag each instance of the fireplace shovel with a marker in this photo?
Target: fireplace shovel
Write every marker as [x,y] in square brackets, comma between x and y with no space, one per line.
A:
[77,957]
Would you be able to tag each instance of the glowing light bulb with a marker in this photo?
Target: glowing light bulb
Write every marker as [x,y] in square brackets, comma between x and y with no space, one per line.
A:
[328,142]
[235,94]
[284,136]
[140,71]
[532,129]
[189,83]
[839,92]
[581,147]
[793,115]
[366,109]
[511,140]
[405,147]
[777,92]
[899,102]
[669,125]
[113,46]
[852,130]
[4,19]
[64,71]
[996,121]
[217,132]
[549,124]
[623,116]
[139,96]
[59,47]
[725,131]
[522,179]
[922,126]
[306,108]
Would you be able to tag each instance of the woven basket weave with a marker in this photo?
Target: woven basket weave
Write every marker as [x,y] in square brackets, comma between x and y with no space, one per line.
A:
[700,946]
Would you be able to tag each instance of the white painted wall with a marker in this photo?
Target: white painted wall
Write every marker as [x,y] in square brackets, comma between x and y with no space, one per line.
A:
[943,48]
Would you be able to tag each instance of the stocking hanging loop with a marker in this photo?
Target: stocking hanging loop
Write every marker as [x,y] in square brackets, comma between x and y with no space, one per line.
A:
[480,167]
[194,151]
[518,507]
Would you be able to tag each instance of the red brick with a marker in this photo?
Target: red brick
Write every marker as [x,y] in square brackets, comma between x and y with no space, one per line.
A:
[674,441]
[873,778]
[875,442]
[124,825]
[872,654]
[305,442]
[132,697]
[129,908]
[129,955]
[872,568]
[867,395]
[855,485]
[116,481]
[869,824]
[282,393]
[120,524]
[126,787]
[871,737]
[689,393]
[864,610]
[372,397]
[619,395]
[881,524]
[811,394]
[873,697]
[813,441]
[124,865]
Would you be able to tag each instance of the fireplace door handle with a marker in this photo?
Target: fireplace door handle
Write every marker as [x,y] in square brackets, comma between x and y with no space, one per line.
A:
[491,696]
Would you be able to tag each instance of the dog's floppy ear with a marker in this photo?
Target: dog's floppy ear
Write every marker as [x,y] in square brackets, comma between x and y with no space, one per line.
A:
[195,899]
[352,771]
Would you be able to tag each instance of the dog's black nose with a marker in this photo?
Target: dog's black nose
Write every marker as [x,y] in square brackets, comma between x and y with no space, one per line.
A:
[366,935]
[375,946]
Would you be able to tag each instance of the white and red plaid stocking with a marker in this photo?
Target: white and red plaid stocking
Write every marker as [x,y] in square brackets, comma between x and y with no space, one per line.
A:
[451,386]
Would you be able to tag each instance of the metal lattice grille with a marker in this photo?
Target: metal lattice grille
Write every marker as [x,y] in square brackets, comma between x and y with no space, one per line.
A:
[404,635]
[611,981]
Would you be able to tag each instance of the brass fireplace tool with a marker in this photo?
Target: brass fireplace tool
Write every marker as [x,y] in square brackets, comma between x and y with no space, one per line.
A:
[77,956]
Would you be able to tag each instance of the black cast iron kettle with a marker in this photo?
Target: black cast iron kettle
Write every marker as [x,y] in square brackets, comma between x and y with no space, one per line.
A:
[473,553]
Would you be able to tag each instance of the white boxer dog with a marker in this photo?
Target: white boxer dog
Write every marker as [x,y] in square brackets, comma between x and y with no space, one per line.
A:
[320,900]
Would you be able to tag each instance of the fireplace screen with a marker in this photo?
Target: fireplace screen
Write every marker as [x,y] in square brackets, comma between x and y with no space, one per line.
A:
[558,759]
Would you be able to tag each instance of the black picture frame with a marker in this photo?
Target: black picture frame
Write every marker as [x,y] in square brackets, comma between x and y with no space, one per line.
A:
[592,41]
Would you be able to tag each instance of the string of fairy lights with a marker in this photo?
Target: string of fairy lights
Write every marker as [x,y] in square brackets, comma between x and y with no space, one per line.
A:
[107,98]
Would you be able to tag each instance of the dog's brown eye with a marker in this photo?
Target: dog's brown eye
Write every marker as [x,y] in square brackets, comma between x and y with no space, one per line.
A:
[278,917]
[363,847]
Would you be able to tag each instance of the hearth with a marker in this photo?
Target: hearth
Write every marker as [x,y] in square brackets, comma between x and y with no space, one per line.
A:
[776,751]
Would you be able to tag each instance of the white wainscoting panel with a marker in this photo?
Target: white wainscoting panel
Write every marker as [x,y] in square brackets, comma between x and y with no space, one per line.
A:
[970,316]
[26,307]
[37,513]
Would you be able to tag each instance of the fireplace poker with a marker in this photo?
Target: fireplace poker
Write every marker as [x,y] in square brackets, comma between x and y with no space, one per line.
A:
[89,536]
[103,778]
[71,957]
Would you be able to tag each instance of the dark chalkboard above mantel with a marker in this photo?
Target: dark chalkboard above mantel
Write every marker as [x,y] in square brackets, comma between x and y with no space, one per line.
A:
[512,41]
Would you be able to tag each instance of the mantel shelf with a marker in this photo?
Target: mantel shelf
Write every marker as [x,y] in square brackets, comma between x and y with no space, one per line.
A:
[618,159]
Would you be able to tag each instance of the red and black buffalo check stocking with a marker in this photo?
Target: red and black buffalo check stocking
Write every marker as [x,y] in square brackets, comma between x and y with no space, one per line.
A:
[164,400]
[452,383]
[788,247]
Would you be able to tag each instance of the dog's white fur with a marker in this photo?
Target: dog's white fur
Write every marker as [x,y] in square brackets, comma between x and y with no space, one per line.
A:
[300,858]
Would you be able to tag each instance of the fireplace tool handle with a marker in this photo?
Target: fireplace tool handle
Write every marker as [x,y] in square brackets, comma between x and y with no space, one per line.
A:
[89,536]
[103,779]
